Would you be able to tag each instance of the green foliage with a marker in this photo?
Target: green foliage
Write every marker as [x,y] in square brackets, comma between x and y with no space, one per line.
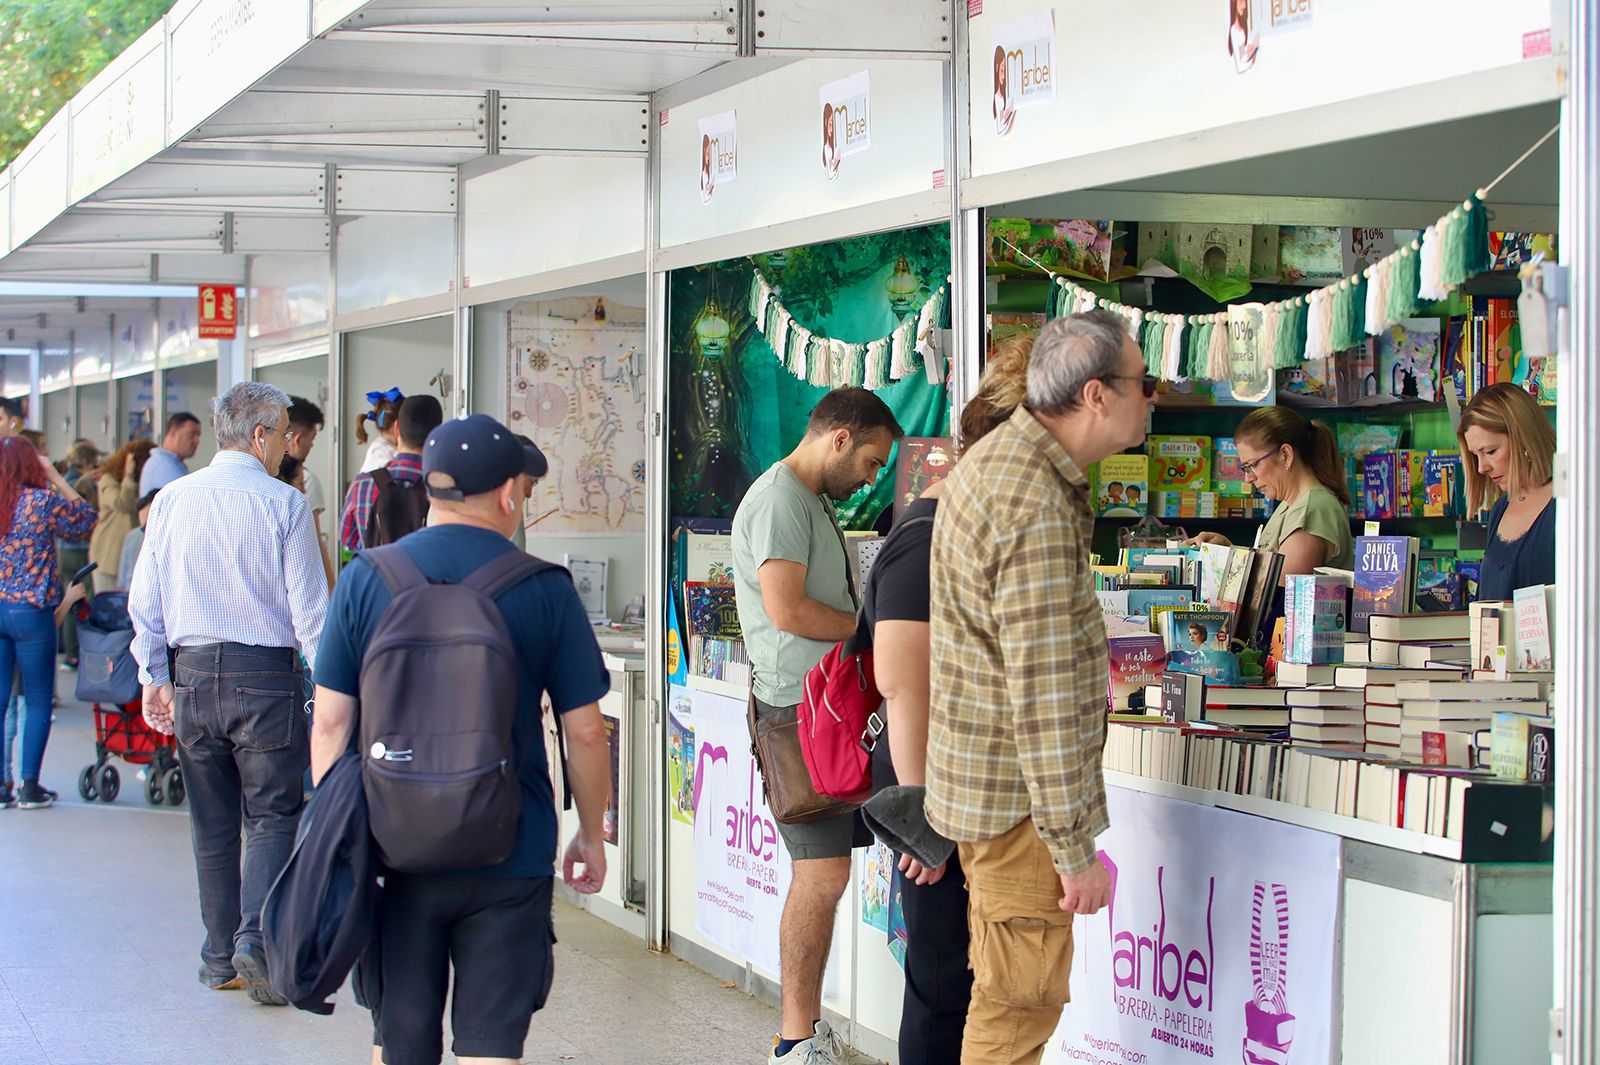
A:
[49,49]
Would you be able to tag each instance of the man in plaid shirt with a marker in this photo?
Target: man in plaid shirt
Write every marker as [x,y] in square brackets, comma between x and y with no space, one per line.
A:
[1018,694]
[419,416]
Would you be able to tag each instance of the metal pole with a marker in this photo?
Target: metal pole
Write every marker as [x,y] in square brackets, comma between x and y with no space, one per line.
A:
[655,571]
[966,235]
[460,400]
[1577,1022]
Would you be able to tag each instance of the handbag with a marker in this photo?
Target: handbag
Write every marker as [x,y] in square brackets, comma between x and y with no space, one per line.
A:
[785,780]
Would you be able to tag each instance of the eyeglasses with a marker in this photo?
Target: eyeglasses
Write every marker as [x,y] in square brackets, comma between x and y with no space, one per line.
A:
[1248,469]
[1146,382]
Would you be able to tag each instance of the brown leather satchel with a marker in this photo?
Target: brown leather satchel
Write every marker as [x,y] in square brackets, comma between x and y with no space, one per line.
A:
[775,743]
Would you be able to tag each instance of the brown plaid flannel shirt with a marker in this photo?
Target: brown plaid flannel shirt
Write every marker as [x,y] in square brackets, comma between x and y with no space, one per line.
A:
[1018,701]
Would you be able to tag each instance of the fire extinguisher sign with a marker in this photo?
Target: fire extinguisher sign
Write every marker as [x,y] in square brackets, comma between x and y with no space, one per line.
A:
[219,312]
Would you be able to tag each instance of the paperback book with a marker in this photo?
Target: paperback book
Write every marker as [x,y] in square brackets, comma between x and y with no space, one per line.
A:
[1314,619]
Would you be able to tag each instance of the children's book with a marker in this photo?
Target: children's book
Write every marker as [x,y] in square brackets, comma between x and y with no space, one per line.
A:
[1121,486]
[1385,575]
[1408,359]
[1441,484]
[1381,472]
[1226,478]
[1180,463]
[1357,440]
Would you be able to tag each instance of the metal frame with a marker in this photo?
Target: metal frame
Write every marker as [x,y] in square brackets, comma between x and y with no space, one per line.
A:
[657,410]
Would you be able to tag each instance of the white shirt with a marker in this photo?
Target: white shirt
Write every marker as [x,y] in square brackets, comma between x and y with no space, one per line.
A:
[315,499]
[228,557]
[379,454]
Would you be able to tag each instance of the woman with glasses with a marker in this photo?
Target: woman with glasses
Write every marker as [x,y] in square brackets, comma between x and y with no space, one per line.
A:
[1297,463]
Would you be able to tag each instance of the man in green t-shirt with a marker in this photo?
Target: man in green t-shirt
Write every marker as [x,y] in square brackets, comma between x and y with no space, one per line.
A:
[796,600]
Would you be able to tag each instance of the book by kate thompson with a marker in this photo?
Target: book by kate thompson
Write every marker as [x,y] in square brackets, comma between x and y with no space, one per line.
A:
[1533,629]
[1121,486]
[1385,567]
[1380,474]
[1201,641]
[923,461]
[1314,612]
[1180,463]
[1136,662]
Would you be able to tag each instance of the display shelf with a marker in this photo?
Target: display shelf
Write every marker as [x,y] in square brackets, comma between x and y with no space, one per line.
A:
[1317,820]
[719,687]
[1373,405]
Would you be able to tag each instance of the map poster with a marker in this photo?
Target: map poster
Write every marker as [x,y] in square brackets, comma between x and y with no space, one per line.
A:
[576,388]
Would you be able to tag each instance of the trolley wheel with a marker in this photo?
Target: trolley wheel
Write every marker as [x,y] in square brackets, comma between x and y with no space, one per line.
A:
[110,783]
[172,782]
[86,788]
[152,790]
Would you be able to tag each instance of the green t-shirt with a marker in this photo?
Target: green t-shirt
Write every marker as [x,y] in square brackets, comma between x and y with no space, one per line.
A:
[780,518]
[1319,513]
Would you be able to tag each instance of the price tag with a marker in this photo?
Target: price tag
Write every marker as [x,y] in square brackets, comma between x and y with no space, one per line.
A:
[1372,529]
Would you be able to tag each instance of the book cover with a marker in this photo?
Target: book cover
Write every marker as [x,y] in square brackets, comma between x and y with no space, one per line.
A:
[1490,625]
[1182,696]
[1469,572]
[1201,641]
[1180,463]
[1452,365]
[712,611]
[1314,616]
[1442,486]
[1380,472]
[922,461]
[1140,601]
[1236,579]
[1385,566]
[1121,486]
[1214,560]
[1356,374]
[1261,603]
[1503,349]
[1438,588]
[1541,751]
[1533,629]
[1315,379]
[1225,475]
[1411,499]
[1357,440]
[1408,359]
[1135,662]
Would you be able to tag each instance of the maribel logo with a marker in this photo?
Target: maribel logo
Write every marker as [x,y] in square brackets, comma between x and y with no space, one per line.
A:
[749,831]
[1151,964]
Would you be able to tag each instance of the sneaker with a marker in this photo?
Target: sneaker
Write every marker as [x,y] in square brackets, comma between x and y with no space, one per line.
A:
[219,982]
[251,965]
[69,665]
[7,799]
[33,797]
[805,1052]
[837,1050]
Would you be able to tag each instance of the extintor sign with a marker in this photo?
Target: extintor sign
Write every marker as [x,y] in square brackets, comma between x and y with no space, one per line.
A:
[219,312]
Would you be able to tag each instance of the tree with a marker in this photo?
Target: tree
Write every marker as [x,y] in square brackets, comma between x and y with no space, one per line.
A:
[49,49]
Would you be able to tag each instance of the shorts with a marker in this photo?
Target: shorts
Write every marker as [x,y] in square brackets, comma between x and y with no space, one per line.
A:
[833,837]
[499,934]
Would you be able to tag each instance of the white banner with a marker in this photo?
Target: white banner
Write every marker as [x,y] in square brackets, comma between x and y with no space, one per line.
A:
[1218,943]
[846,111]
[741,867]
[719,152]
[1023,67]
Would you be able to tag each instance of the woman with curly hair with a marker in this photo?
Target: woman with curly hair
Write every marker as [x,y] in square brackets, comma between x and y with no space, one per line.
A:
[119,510]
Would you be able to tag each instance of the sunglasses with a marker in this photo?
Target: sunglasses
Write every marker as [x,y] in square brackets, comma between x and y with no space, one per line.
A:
[1146,382]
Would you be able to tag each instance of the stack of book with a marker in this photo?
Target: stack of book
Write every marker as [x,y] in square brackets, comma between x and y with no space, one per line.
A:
[1417,641]
[1439,718]
[1327,717]
[1381,712]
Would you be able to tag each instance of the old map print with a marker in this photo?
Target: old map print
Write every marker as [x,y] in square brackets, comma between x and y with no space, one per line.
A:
[576,387]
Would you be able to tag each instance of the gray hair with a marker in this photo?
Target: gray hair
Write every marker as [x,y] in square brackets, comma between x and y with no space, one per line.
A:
[1069,353]
[237,412]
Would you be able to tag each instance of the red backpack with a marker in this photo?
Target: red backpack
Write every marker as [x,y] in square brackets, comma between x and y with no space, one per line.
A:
[839,715]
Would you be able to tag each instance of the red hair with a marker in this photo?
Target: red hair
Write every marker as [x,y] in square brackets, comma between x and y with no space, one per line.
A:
[19,469]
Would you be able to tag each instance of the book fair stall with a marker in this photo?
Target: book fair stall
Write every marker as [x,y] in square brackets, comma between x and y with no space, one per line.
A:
[1293,810]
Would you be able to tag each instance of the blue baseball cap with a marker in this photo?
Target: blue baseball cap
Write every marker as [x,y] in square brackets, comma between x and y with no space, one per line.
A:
[476,454]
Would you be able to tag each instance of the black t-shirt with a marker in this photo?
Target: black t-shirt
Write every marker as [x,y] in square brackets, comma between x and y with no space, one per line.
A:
[898,591]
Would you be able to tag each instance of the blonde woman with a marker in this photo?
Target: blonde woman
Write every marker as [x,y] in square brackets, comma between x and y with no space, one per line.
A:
[1508,448]
[119,511]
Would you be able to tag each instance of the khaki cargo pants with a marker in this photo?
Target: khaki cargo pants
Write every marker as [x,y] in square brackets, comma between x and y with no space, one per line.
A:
[1021,951]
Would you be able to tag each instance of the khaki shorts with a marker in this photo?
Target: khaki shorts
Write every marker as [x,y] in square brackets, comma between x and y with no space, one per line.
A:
[834,837]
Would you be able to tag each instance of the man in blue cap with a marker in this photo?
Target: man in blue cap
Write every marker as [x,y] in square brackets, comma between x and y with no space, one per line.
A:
[493,923]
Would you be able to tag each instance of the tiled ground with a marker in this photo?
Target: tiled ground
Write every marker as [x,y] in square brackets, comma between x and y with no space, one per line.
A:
[99,941]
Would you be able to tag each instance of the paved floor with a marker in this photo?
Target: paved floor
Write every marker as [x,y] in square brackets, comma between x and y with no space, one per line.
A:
[99,941]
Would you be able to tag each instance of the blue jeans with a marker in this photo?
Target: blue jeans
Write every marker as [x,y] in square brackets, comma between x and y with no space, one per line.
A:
[28,643]
[14,707]
[243,745]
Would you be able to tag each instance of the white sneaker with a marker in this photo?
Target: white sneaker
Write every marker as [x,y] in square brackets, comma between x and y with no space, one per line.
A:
[806,1052]
[837,1050]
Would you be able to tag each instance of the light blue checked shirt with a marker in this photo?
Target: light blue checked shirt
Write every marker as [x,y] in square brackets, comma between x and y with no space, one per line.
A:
[160,470]
[230,556]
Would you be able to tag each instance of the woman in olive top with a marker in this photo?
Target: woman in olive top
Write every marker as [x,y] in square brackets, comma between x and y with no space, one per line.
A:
[1296,462]
[1508,447]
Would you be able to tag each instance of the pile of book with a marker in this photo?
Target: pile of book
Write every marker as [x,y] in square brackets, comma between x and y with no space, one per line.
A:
[1176,477]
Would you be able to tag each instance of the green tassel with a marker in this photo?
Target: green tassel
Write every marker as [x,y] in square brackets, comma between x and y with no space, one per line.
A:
[944,307]
[1356,322]
[1186,364]
[1150,342]
[1284,356]
[1341,309]
[1466,252]
[1405,276]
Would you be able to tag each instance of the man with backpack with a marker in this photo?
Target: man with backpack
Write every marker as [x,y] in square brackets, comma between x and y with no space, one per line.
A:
[435,659]
[384,505]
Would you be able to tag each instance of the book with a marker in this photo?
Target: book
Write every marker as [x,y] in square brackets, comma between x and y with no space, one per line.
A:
[1408,359]
[1438,586]
[1447,747]
[1387,676]
[1502,347]
[712,611]
[1510,743]
[1121,486]
[1214,559]
[1135,661]
[1453,654]
[1226,477]
[1241,695]
[1490,624]
[1383,735]
[1180,463]
[1384,574]
[1307,732]
[1534,608]
[1380,476]
[1325,696]
[1468,690]
[1357,440]
[1454,709]
[1262,604]
[1140,601]
[1314,615]
[1182,696]
[1442,486]
[1300,675]
[1418,627]
[1329,715]
[1236,579]
[1248,716]
[1200,641]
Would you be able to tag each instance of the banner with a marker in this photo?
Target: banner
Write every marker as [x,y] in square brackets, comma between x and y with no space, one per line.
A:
[1218,944]
[741,867]
[719,152]
[1024,66]
[846,108]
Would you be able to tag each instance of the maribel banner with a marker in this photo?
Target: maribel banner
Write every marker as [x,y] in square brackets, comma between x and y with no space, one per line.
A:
[1218,943]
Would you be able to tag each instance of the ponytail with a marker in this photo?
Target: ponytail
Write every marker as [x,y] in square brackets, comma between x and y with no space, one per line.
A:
[361,428]
[1322,452]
